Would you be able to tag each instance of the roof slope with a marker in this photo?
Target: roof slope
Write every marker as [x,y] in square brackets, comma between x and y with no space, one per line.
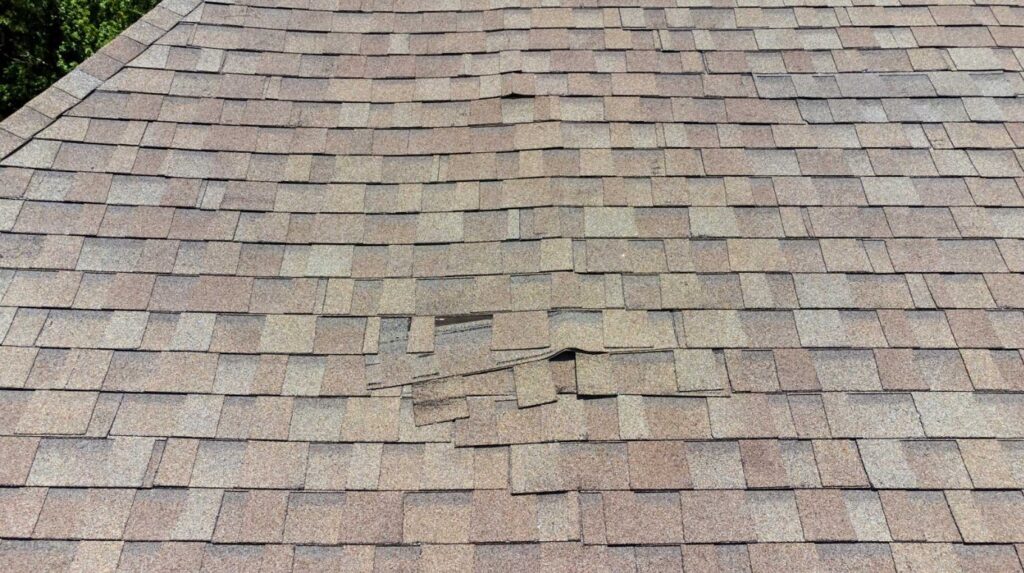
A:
[477,284]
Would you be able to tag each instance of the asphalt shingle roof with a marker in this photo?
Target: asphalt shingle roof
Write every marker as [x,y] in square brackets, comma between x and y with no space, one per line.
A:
[625,285]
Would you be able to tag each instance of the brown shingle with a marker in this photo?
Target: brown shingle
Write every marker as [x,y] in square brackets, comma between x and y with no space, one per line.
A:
[520,330]
[842,515]
[250,516]
[919,516]
[534,385]
[54,412]
[84,513]
[351,517]
[114,462]
[19,453]
[168,415]
[643,518]
[736,516]
[20,510]
[249,464]
[173,514]
[987,516]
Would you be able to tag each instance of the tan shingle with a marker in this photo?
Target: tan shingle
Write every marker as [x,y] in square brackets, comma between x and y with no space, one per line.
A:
[522,330]
[932,519]
[250,516]
[173,514]
[20,510]
[842,515]
[52,412]
[168,415]
[84,513]
[249,464]
[740,516]
[351,517]
[987,516]
[642,518]
[114,462]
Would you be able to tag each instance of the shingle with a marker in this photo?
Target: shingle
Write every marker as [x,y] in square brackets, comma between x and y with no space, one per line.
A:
[711,557]
[751,370]
[249,464]
[317,558]
[737,516]
[993,463]
[284,296]
[919,516]
[994,369]
[872,415]
[343,466]
[839,328]
[751,416]
[700,370]
[931,464]
[54,289]
[663,417]
[176,461]
[567,467]
[779,463]
[648,373]
[955,414]
[938,555]
[84,513]
[643,518]
[121,291]
[842,515]
[250,516]
[94,329]
[283,333]
[168,415]
[114,462]
[351,517]
[19,453]
[839,463]
[849,370]
[988,516]
[59,368]
[870,556]
[425,511]
[522,330]
[371,419]
[149,556]
[228,557]
[50,412]
[534,385]
[173,514]
[913,369]
[143,371]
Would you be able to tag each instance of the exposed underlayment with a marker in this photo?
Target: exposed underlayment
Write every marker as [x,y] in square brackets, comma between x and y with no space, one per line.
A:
[624,285]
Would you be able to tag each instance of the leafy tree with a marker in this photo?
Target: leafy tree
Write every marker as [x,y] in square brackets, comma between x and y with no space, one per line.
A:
[29,41]
[41,40]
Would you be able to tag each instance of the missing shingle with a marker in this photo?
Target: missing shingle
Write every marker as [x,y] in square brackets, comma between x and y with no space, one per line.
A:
[564,356]
[460,319]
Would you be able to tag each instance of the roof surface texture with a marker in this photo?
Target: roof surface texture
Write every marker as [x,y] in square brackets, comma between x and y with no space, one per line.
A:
[624,285]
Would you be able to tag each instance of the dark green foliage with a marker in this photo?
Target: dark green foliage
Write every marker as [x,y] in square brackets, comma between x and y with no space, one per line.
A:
[41,40]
